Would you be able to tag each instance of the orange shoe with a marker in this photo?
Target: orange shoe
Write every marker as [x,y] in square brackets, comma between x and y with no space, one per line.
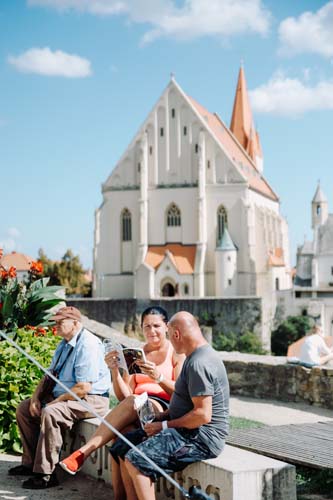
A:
[73,463]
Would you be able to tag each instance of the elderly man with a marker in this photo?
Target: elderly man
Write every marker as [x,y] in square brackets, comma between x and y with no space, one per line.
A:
[196,424]
[79,363]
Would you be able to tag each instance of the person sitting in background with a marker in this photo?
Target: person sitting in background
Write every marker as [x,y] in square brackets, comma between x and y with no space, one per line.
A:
[158,376]
[79,364]
[314,350]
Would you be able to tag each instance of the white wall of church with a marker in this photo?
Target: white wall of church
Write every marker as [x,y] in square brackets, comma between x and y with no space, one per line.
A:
[159,201]
[109,246]
[325,268]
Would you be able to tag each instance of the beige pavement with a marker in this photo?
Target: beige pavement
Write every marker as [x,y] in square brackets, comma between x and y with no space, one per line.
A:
[70,488]
[272,412]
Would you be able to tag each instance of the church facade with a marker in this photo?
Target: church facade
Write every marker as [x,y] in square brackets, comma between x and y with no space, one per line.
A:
[187,210]
[312,293]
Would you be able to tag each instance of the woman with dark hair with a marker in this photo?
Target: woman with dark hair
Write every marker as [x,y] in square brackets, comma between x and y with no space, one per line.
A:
[157,378]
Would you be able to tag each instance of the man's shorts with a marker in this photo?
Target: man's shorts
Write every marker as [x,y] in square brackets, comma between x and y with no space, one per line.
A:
[172,450]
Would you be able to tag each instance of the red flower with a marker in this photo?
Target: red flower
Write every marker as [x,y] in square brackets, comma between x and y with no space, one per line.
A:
[12,272]
[4,274]
[41,331]
[1,305]
[36,267]
[54,330]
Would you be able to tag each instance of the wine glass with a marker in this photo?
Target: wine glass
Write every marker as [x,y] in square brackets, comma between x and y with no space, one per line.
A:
[109,345]
[146,413]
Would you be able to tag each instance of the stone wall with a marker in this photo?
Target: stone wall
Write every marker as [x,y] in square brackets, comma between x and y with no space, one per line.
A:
[270,377]
[225,316]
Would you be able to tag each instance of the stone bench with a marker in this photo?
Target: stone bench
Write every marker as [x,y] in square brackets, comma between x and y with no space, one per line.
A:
[235,475]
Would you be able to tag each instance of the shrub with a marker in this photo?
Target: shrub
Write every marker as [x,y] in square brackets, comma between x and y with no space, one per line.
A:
[19,377]
[248,342]
[290,330]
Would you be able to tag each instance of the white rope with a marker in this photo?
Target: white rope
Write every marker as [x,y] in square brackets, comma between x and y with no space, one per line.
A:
[91,410]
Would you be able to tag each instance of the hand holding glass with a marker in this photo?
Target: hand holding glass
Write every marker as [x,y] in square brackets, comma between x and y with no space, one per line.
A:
[146,413]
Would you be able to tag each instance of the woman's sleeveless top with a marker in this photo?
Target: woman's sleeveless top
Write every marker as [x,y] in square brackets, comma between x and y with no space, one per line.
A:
[147,384]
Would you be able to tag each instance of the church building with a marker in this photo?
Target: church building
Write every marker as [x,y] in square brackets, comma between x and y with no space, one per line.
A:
[187,210]
[313,288]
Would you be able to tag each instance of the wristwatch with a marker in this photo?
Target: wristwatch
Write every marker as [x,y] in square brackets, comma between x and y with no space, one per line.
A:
[160,378]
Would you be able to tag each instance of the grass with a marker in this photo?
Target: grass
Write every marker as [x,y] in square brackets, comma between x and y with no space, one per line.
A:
[244,423]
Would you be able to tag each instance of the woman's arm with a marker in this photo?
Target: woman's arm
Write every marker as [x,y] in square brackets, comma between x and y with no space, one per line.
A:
[122,384]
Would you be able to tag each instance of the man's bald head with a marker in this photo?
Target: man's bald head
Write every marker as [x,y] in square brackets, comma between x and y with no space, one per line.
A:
[185,333]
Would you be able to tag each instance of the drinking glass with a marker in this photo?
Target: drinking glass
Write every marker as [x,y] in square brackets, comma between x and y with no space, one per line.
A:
[109,345]
[146,413]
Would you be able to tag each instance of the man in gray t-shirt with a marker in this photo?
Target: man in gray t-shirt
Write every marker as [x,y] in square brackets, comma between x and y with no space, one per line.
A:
[196,424]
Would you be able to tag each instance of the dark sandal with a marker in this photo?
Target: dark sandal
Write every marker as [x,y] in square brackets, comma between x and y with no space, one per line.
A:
[20,470]
[41,481]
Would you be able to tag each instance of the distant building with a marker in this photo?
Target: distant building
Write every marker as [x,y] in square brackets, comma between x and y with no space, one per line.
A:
[187,211]
[20,261]
[313,286]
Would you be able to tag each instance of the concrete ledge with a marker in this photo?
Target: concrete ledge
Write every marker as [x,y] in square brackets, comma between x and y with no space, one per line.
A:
[235,475]
[278,380]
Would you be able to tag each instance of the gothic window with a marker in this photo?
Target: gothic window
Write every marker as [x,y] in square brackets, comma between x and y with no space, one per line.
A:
[196,148]
[173,216]
[318,209]
[173,112]
[161,131]
[126,225]
[185,130]
[277,284]
[222,221]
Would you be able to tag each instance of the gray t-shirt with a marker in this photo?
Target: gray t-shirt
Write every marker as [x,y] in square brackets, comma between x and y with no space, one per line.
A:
[204,374]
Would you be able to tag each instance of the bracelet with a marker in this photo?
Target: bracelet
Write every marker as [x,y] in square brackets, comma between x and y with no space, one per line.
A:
[160,378]
[164,425]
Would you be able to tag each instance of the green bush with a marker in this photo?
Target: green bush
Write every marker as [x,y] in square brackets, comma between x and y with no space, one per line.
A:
[248,342]
[290,330]
[19,377]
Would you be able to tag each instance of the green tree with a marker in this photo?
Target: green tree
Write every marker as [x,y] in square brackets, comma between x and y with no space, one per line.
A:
[69,273]
[290,330]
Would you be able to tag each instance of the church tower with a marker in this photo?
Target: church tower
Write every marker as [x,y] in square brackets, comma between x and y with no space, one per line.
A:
[319,207]
[226,266]
[242,125]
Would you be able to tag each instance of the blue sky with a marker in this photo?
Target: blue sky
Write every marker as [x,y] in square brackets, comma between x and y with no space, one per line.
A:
[78,77]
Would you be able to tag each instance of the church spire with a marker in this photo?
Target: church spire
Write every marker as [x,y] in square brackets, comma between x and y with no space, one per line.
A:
[242,125]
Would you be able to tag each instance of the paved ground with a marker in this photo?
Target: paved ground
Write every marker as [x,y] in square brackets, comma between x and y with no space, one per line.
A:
[71,487]
[277,412]
[80,486]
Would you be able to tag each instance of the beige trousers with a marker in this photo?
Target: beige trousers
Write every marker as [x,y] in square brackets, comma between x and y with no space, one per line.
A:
[42,436]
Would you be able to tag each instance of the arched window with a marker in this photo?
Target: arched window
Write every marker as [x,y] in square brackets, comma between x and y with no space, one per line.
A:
[222,221]
[173,216]
[126,225]
[277,284]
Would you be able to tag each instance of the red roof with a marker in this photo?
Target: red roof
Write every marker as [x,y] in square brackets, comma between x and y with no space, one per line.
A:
[18,260]
[182,256]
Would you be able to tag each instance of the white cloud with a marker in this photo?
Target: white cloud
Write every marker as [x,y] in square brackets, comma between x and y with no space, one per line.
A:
[14,232]
[310,32]
[191,19]
[8,245]
[290,97]
[45,62]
